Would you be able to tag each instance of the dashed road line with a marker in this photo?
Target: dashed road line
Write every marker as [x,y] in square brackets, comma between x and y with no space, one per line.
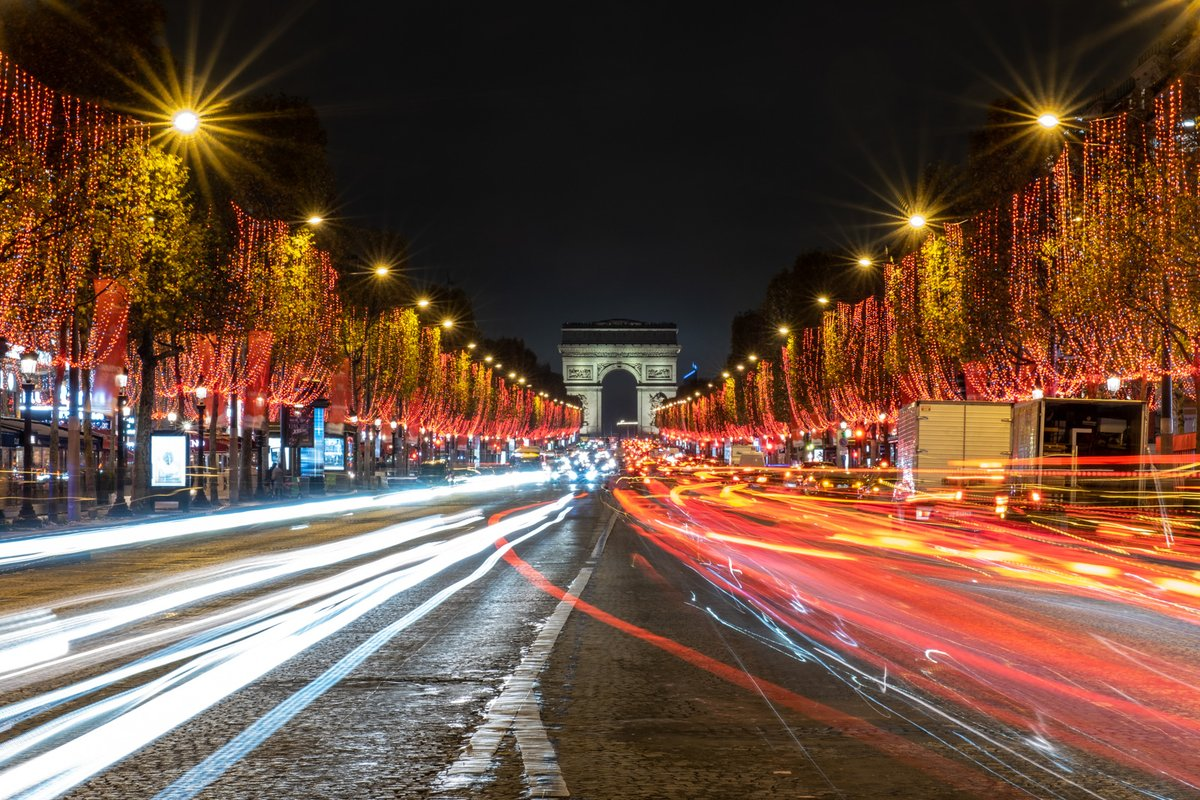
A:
[517,707]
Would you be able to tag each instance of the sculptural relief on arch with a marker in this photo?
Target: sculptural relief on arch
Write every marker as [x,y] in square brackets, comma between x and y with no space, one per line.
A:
[593,350]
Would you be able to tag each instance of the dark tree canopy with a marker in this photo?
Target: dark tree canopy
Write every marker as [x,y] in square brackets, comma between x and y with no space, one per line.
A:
[95,49]
[275,163]
[518,358]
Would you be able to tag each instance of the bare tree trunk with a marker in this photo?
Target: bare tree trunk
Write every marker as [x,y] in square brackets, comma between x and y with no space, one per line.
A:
[245,440]
[53,486]
[235,451]
[91,485]
[213,460]
[73,461]
[140,489]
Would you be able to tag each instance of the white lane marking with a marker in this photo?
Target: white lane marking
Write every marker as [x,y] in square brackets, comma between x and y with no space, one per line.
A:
[517,707]
[599,548]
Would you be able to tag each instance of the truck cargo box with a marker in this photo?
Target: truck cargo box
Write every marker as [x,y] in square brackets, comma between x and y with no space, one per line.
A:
[939,441]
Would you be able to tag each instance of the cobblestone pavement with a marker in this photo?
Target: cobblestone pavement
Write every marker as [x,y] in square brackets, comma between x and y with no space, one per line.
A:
[655,687]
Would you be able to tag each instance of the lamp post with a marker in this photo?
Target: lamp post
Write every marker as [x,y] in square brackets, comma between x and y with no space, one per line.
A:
[27,517]
[376,449]
[201,498]
[358,467]
[119,507]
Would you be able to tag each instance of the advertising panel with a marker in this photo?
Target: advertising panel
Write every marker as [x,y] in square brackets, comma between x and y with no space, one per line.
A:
[308,463]
[168,459]
[335,454]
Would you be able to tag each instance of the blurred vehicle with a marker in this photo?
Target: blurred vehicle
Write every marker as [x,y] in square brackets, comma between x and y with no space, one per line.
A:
[879,484]
[743,455]
[435,471]
[463,475]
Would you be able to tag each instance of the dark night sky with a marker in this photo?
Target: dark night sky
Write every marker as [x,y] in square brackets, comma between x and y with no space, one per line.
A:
[580,161]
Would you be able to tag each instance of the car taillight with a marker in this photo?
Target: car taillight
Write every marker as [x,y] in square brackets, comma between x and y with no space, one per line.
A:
[958,496]
[1035,497]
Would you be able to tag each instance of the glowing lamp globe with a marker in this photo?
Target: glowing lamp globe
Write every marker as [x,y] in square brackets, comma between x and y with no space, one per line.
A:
[1048,121]
[186,122]
[917,221]
[1113,384]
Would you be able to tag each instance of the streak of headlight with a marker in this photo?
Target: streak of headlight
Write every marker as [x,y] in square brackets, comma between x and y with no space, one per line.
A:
[310,558]
[248,624]
[29,638]
[20,551]
[133,719]
[207,771]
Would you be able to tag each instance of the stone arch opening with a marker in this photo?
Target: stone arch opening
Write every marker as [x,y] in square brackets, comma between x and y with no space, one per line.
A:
[618,402]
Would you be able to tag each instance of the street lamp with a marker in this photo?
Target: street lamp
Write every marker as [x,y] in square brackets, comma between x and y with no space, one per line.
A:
[1113,384]
[119,506]
[27,517]
[201,498]
[1049,120]
[917,221]
[186,122]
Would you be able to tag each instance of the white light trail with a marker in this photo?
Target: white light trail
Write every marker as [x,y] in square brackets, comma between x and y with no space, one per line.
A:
[37,548]
[219,762]
[123,724]
[241,615]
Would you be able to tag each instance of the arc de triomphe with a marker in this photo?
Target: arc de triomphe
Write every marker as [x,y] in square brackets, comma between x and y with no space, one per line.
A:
[647,350]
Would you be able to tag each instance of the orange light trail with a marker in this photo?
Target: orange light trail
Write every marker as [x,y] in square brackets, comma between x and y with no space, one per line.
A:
[1010,621]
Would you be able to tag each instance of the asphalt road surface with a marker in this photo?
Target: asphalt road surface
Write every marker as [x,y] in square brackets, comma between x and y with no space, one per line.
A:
[481,642]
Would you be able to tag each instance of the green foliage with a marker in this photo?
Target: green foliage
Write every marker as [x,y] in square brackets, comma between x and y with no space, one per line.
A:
[156,245]
[941,295]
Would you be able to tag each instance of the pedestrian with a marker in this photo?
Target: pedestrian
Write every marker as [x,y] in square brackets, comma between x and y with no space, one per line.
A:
[277,478]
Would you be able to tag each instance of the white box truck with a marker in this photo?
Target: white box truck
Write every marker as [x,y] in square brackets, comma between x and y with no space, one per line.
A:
[943,444]
[743,455]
